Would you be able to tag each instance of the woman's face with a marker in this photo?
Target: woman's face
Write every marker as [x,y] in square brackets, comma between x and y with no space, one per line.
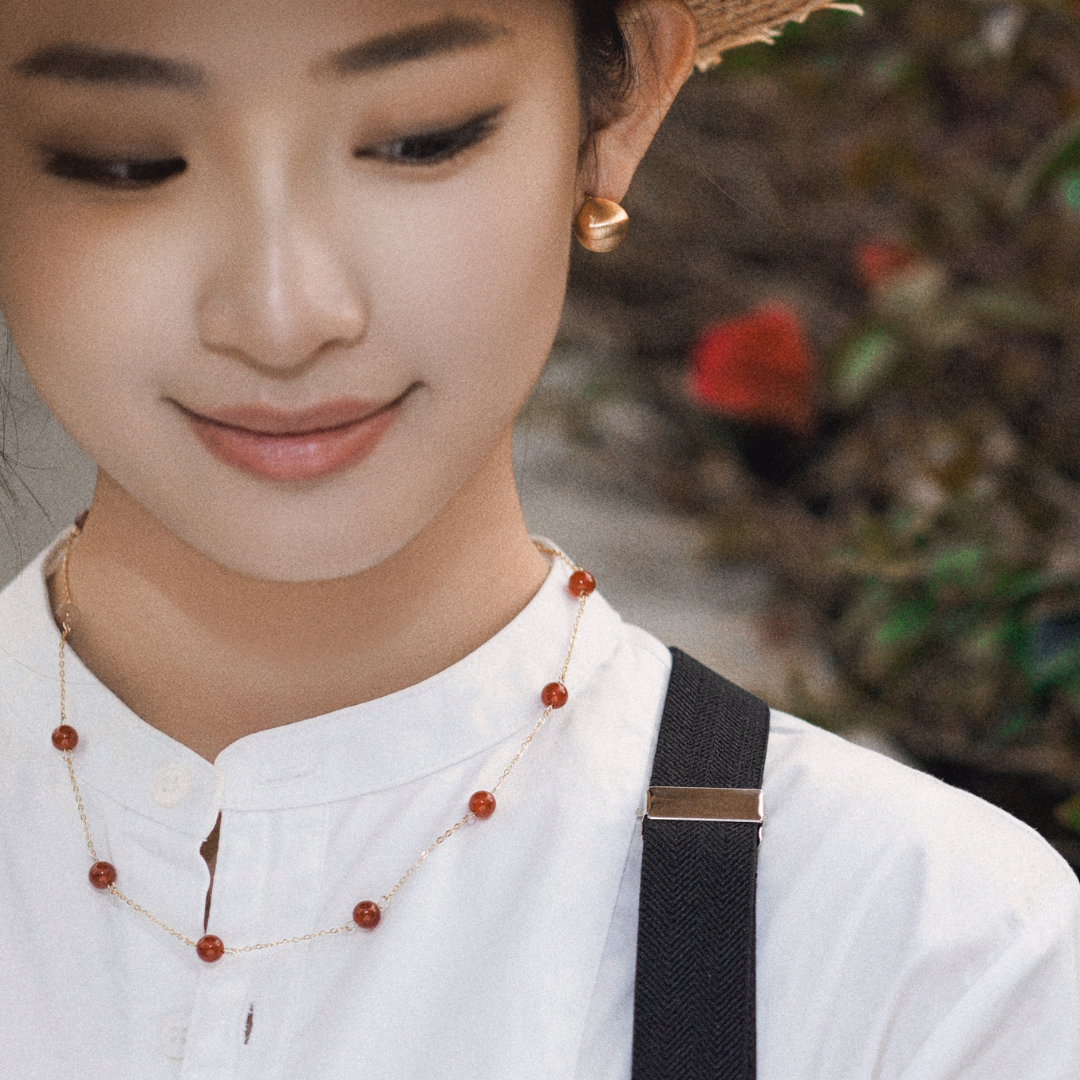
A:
[287,269]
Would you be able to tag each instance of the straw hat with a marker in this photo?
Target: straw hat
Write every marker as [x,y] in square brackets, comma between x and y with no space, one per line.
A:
[723,24]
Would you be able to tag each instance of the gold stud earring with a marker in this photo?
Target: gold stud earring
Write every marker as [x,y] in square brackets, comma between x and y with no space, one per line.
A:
[601,224]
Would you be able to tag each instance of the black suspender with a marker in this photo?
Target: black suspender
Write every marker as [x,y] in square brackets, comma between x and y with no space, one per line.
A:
[694,995]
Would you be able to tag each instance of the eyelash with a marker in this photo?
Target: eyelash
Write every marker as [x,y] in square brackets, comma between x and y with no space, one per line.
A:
[433,147]
[113,173]
[429,148]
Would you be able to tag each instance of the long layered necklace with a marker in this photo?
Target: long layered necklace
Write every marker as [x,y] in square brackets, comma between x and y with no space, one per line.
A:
[367,914]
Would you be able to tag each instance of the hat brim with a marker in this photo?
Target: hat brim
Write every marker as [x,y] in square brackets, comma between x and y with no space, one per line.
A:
[724,24]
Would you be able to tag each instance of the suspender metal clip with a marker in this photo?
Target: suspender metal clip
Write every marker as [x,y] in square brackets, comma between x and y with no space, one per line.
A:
[706,804]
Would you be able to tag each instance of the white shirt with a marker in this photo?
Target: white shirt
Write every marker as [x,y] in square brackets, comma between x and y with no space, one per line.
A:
[906,930]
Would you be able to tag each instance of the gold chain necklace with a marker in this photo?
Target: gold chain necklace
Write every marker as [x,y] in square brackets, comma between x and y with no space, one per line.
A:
[367,914]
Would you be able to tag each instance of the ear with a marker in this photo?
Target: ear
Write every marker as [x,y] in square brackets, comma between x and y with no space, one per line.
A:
[662,40]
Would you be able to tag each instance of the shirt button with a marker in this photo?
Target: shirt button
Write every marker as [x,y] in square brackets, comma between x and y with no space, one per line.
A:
[171,785]
[172,1035]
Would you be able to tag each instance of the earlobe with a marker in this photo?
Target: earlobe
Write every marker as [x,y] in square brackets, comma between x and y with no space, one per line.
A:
[662,42]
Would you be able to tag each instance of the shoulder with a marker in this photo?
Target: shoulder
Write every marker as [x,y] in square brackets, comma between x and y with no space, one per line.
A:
[829,796]
[624,663]
[895,906]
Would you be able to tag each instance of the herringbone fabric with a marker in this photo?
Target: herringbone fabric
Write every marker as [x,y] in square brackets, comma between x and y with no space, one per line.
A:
[694,994]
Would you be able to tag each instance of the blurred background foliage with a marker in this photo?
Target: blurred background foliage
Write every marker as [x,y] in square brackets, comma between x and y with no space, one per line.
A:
[849,324]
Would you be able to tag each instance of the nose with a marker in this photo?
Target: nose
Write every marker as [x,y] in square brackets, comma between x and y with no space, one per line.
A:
[281,294]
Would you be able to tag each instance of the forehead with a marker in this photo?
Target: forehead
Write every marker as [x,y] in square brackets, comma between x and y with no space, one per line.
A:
[260,40]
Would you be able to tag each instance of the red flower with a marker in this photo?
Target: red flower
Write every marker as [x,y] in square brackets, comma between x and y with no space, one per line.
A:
[757,367]
[879,262]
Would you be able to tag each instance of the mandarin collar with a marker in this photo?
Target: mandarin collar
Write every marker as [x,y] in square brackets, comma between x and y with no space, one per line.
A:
[484,699]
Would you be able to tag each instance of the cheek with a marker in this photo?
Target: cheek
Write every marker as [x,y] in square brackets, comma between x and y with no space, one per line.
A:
[90,306]
[469,283]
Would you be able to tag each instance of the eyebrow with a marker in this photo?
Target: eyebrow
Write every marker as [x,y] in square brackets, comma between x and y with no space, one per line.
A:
[416,43]
[86,64]
[94,66]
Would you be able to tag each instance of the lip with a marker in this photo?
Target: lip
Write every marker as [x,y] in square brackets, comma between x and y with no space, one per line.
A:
[295,444]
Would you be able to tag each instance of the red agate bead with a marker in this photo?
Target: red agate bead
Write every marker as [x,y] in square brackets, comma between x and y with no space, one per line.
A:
[554,694]
[366,914]
[581,583]
[65,737]
[482,804]
[102,875]
[210,948]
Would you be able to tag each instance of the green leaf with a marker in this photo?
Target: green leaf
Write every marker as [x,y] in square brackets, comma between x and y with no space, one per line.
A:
[1014,725]
[1020,587]
[863,366]
[1070,189]
[1068,812]
[960,566]
[1057,153]
[906,623]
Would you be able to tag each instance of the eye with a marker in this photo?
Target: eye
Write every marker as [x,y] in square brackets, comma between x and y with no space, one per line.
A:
[432,147]
[113,172]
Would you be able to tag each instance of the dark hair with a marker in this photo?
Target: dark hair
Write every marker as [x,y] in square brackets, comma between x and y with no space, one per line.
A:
[604,71]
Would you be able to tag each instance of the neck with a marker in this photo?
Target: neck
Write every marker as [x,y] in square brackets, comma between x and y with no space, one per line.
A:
[207,655]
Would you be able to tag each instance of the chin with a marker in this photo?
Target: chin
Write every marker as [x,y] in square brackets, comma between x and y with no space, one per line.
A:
[269,543]
[308,555]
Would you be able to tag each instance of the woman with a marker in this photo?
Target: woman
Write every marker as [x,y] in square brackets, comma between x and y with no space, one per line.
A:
[287,272]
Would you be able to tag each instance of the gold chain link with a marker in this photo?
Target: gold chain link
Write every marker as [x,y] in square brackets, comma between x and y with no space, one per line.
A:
[65,630]
[79,804]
